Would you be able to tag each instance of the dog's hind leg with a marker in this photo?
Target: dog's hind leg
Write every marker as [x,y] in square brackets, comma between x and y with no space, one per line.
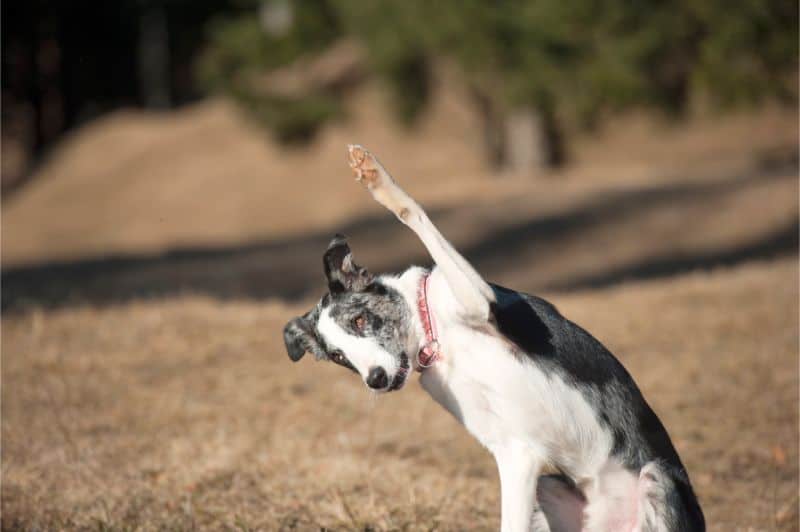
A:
[661,508]
[470,290]
[561,503]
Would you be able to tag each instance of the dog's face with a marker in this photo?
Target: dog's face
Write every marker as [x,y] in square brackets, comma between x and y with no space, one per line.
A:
[361,324]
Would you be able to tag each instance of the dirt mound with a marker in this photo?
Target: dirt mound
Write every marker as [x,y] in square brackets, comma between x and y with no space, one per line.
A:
[136,182]
[186,413]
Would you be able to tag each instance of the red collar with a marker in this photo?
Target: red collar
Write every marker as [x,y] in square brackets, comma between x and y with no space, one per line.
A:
[430,351]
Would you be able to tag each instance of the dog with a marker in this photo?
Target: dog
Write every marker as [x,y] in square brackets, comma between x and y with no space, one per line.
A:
[577,446]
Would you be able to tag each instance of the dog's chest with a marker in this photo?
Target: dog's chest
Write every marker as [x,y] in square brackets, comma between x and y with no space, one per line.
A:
[500,397]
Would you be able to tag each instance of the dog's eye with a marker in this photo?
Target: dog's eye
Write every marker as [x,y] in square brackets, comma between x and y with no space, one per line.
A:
[359,322]
[338,357]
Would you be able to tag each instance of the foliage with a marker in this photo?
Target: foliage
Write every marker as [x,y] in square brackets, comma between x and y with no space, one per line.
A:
[241,50]
[574,60]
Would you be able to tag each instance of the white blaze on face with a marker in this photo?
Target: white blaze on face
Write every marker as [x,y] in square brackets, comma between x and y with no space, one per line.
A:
[363,352]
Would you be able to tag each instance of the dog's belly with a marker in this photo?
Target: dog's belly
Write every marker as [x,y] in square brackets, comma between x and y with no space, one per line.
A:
[502,400]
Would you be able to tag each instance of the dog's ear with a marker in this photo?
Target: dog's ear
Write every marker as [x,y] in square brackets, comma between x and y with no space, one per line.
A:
[342,272]
[300,337]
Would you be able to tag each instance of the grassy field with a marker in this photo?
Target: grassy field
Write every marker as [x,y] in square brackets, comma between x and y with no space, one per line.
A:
[151,264]
[187,414]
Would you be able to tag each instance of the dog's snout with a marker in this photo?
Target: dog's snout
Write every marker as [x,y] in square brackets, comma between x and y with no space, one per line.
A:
[377,378]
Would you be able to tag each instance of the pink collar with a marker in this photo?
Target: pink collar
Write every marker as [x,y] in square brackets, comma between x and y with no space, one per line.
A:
[430,351]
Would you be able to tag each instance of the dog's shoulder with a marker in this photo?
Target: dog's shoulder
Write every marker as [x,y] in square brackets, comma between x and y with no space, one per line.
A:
[555,343]
[537,327]
[528,321]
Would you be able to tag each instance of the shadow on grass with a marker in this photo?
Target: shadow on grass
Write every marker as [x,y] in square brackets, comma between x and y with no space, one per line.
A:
[290,268]
[779,243]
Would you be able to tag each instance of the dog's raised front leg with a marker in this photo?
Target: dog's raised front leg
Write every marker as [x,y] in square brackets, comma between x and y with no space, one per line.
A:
[519,469]
[469,288]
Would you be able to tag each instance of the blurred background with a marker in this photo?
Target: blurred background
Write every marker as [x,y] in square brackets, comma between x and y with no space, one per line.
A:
[173,170]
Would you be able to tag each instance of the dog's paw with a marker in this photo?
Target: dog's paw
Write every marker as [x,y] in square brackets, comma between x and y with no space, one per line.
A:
[378,181]
[365,167]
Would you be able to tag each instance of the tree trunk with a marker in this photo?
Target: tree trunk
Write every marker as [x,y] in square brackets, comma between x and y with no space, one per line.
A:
[534,142]
[494,131]
[526,139]
[154,73]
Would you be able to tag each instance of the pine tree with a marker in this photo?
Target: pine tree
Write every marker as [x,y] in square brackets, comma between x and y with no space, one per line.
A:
[531,66]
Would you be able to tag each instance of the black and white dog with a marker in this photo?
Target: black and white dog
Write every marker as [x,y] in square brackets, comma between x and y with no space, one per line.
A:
[577,446]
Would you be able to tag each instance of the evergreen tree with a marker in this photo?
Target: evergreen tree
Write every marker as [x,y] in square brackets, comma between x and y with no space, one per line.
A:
[532,66]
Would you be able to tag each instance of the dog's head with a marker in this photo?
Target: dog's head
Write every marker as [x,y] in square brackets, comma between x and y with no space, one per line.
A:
[361,323]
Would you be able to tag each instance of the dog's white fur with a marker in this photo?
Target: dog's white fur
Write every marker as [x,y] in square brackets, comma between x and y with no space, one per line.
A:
[532,422]
[497,399]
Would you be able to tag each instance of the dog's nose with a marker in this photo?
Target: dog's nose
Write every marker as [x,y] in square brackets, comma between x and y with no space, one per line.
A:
[377,378]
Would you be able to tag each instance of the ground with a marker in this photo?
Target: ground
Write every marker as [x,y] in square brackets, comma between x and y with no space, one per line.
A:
[145,383]
[187,413]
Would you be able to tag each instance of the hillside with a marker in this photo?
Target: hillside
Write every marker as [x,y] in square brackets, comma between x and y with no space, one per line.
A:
[142,183]
[199,201]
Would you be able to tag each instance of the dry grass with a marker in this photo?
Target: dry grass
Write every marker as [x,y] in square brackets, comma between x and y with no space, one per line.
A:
[186,413]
